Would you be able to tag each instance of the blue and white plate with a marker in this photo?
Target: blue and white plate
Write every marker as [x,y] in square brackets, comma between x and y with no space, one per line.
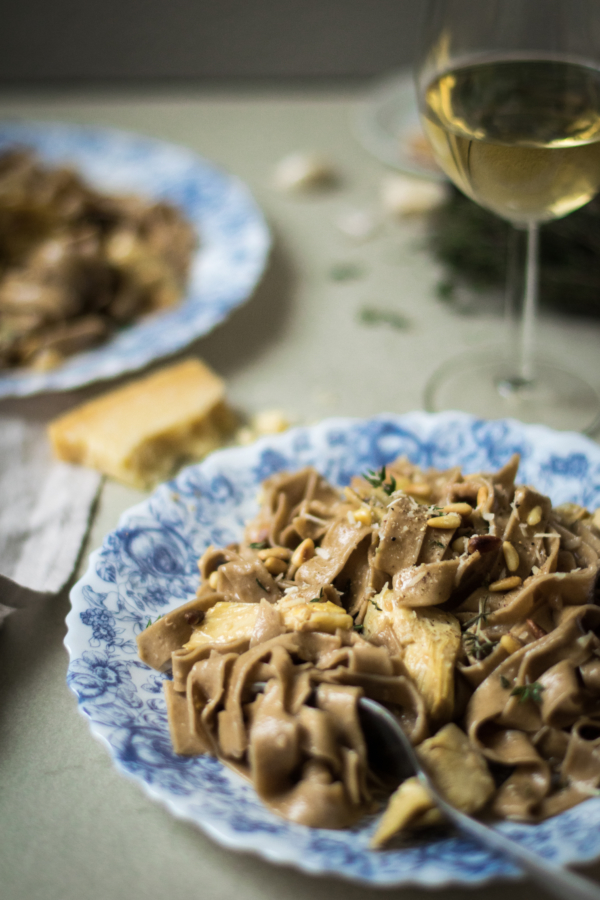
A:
[147,566]
[233,239]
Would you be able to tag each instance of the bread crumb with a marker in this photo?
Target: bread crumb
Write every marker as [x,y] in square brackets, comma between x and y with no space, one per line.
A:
[403,196]
[303,172]
[270,421]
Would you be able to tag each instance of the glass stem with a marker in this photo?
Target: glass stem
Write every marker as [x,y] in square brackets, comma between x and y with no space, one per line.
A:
[513,294]
[525,363]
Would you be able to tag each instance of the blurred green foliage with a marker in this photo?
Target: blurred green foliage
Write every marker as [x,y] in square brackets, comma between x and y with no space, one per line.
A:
[472,244]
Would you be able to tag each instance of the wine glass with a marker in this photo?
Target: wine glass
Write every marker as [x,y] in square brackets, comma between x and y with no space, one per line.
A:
[509,96]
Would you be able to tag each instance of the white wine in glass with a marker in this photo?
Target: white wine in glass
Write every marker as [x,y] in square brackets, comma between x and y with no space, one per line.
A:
[509,96]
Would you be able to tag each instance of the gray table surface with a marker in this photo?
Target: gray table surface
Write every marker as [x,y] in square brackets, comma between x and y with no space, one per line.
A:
[71,826]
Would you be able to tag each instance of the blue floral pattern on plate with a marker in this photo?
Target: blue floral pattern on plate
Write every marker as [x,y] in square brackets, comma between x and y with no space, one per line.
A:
[233,237]
[147,566]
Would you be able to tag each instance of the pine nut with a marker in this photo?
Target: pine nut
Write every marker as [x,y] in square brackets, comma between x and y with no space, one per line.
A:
[418,489]
[510,643]
[535,516]
[275,565]
[568,513]
[452,520]
[463,509]
[482,495]
[303,552]
[511,556]
[277,552]
[596,519]
[363,515]
[460,545]
[213,580]
[505,584]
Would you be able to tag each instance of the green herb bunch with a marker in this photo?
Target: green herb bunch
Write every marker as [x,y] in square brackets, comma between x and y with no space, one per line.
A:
[473,245]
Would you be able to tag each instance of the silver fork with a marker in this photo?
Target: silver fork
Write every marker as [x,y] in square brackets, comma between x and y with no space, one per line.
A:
[391,753]
[392,756]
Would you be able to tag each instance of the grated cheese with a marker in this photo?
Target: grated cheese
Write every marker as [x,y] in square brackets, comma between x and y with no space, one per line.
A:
[315,519]
[412,581]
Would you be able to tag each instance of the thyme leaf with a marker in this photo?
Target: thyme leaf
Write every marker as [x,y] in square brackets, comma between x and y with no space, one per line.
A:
[370,315]
[478,645]
[378,479]
[259,545]
[504,682]
[150,622]
[261,585]
[346,271]
[480,617]
[526,692]
[375,479]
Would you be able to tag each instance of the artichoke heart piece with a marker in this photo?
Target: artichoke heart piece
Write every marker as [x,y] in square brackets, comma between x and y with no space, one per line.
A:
[406,804]
[225,621]
[429,642]
[316,616]
[228,621]
[459,771]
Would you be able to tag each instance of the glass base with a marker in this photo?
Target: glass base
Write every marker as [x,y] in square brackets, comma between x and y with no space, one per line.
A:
[484,384]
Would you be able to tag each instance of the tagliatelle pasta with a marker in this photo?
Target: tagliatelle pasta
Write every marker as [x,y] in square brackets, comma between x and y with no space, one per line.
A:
[465,603]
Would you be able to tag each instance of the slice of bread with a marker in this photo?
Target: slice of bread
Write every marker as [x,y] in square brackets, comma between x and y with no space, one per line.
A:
[139,433]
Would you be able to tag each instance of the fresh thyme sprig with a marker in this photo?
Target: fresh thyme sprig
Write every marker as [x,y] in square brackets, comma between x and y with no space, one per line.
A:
[526,692]
[378,479]
[478,645]
[480,618]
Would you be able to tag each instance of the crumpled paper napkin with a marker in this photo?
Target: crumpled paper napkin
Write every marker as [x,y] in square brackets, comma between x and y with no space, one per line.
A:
[45,509]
